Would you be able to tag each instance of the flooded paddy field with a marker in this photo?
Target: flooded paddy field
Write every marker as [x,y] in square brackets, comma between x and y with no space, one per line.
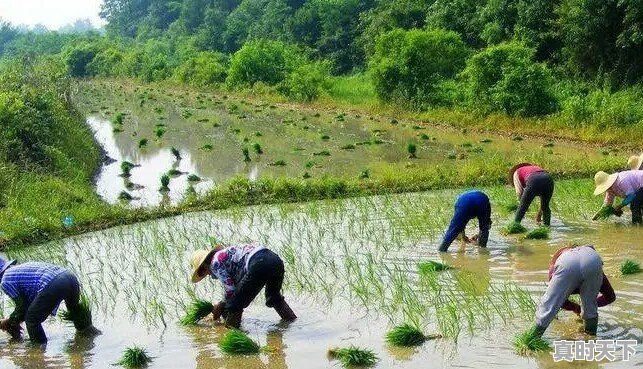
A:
[210,131]
[351,275]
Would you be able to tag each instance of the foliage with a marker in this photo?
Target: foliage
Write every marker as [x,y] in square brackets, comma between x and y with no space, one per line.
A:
[236,342]
[540,233]
[82,317]
[197,310]
[203,69]
[630,267]
[306,82]
[354,356]
[528,342]
[134,357]
[405,335]
[431,266]
[268,62]
[513,228]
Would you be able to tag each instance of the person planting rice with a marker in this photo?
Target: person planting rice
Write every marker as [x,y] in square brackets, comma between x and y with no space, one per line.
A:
[627,185]
[530,181]
[575,270]
[243,270]
[469,205]
[635,162]
[37,290]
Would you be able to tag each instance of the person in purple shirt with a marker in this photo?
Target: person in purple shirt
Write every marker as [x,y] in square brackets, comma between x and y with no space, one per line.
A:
[469,205]
[37,290]
[628,185]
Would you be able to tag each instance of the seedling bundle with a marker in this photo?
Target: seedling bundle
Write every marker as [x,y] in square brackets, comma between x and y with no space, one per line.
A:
[353,356]
[528,342]
[196,311]
[236,342]
[134,357]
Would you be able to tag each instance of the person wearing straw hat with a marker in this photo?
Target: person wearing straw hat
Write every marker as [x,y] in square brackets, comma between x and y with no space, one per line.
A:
[575,270]
[530,181]
[243,270]
[37,290]
[635,162]
[627,185]
[469,205]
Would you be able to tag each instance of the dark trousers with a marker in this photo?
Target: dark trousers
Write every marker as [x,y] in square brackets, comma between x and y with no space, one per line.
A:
[64,287]
[636,206]
[264,269]
[538,184]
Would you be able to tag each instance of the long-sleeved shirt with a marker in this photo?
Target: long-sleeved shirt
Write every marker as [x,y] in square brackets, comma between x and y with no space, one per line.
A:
[231,264]
[627,183]
[23,282]
[469,205]
[520,177]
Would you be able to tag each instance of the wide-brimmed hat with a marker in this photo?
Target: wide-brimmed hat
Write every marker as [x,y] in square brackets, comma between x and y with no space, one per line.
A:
[634,162]
[4,264]
[603,182]
[196,261]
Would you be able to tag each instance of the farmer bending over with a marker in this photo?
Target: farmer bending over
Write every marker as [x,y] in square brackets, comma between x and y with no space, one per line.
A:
[575,270]
[469,205]
[635,162]
[627,185]
[243,270]
[37,290]
[530,181]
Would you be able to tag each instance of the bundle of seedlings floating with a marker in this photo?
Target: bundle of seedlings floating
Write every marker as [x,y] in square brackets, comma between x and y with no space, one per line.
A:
[514,228]
[529,342]
[431,266]
[165,183]
[411,149]
[81,317]
[630,267]
[257,148]
[246,154]
[194,178]
[604,213]
[278,163]
[406,335]
[176,153]
[125,196]
[197,310]
[134,357]
[142,143]
[126,168]
[353,356]
[540,233]
[236,342]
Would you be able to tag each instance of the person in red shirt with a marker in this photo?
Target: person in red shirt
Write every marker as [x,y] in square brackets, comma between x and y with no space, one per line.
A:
[530,181]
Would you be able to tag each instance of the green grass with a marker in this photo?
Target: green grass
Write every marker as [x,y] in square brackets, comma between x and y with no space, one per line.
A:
[197,310]
[134,357]
[630,267]
[540,233]
[514,228]
[527,343]
[235,342]
[431,266]
[405,335]
[353,356]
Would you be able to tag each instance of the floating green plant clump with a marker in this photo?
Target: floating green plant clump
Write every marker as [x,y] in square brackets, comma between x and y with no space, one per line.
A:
[630,267]
[405,335]
[196,311]
[353,356]
[540,233]
[126,168]
[134,357]
[165,183]
[82,316]
[528,342]
[432,266]
[236,342]
[514,228]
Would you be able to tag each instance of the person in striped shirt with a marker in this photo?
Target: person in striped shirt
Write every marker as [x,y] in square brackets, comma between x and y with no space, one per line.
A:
[37,290]
[628,185]
[529,182]
[243,270]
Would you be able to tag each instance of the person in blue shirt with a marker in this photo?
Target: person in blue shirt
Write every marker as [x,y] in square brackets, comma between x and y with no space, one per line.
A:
[469,205]
[37,289]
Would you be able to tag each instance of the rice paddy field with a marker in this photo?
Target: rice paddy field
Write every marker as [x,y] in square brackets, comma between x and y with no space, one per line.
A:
[351,275]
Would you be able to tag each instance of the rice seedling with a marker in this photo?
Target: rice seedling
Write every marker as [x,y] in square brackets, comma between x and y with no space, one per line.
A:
[246,154]
[118,119]
[258,134]
[405,335]
[176,153]
[411,149]
[197,310]
[142,143]
[424,136]
[486,140]
[514,228]
[528,342]
[364,174]
[165,183]
[174,172]
[194,178]
[81,318]
[257,148]
[348,147]
[377,141]
[630,267]
[354,356]
[540,233]
[306,175]
[125,196]
[431,266]
[309,164]
[325,137]
[134,357]
[236,342]
[126,168]
[278,163]
[517,138]
[604,213]
[322,153]
[207,147]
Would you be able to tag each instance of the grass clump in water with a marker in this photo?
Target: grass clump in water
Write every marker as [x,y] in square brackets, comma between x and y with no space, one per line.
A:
[514,228]
[604,213]
[81,317]
[353,356]
[412,150]
[630,267]
[134,357]
[432,266]
[246,154]
[405,335]
[165,183]
[196,311]
[125,196]
[142,143]
[257,148]
[278,163]
[194,178]
[176,153]
[540,233]
[126,168]
[236,342]
[528,342]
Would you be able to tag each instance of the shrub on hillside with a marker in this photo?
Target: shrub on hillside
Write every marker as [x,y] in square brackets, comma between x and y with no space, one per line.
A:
[306,82]
[204,69]
[264,61]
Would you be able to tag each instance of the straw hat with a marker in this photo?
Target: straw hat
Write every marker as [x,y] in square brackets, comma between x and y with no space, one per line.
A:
[5,264]
[634,162]
[603,182]
[197,259]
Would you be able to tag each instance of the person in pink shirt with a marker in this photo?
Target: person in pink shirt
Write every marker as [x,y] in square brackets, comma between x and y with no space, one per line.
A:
[530,181]
[627,185]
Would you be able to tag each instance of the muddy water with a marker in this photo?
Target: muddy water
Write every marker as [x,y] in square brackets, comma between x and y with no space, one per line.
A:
[347,262]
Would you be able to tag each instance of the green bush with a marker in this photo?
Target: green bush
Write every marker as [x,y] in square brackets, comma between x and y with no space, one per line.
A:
[78,60]
[407,66]
[269,62]
[204,69]
[105,63]
[305,82]
[504,78]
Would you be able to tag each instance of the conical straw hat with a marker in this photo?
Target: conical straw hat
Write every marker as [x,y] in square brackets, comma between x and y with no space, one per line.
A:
[635,162]
[603,182]
[197,259]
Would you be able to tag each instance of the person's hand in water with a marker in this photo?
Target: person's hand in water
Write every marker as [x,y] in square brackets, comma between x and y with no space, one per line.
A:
[14,329]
